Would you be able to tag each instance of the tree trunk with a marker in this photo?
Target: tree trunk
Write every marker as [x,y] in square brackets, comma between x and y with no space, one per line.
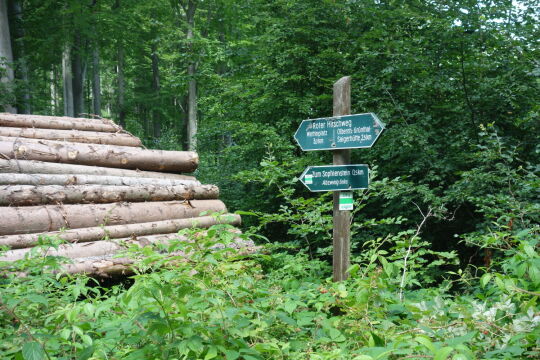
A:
[54,96]
[37,219]
[65,179]
[99,155]
[192,72]
[120,231]
[38,167]
[89,137]
[22,70]
[121,86]
[67,76]
[106,247]
[156,120]
[78,77]
[60,123]
[96,82]
[6,56]
[25,195]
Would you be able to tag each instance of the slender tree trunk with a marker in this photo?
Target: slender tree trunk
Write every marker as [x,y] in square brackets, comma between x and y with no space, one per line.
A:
[121,86]
[96,81]
[155,86]
[192,72]
[67,76]
[22,70]
[54,96]
[6,55]
[78,77]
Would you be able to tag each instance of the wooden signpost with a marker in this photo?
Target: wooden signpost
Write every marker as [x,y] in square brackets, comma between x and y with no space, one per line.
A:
[339,133]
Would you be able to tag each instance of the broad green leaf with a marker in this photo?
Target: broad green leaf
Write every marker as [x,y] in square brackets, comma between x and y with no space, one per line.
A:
[33,351]
[443,353]
[426,342]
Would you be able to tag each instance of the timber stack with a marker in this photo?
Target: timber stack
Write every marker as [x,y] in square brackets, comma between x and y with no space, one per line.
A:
[92,184]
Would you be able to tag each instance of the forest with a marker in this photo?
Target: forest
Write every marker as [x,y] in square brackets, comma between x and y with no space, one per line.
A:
[445,257]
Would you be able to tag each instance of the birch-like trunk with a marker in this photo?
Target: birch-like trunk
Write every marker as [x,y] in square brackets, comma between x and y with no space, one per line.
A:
[67,76]
[6,55]
[192,123]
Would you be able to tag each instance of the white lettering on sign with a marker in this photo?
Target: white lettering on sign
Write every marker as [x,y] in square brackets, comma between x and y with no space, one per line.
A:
[338,123]
[346,139]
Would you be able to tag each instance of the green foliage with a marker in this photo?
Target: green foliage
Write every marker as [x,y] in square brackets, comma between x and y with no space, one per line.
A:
[217,303]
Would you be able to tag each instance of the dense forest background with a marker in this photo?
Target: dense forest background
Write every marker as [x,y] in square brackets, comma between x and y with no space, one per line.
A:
[456,83]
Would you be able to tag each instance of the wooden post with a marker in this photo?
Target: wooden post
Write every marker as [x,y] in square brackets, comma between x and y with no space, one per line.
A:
[342,219]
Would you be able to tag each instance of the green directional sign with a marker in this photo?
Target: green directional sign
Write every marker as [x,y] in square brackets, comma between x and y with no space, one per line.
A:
[339,132]
[336,177]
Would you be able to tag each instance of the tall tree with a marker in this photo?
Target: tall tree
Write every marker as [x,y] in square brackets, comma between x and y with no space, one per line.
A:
[21,71]
[67,77]
[6,55]
[190,7]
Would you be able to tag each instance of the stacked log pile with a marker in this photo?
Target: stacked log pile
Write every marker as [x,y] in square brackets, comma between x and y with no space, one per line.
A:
[92,184]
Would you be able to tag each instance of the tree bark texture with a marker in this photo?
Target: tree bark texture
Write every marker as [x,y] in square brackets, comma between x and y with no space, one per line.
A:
[6,53]
[112,265]
[192,123]
[89,137]
[99,155]
[120,231]
[121,86]
[67,76]
[64,179]
[102,247]
[36,219]
[40,167]
[25,195]
[20,54]
[79,71]
[96,81]
[60,123]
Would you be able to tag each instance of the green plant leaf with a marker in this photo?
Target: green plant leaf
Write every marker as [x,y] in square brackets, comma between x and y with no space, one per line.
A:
[443,353]
[33,351]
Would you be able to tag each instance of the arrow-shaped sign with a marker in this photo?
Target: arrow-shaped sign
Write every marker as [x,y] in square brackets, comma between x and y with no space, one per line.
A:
[336,177]
[339,132]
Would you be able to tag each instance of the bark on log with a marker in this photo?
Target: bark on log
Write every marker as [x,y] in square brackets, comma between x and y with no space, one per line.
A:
[103,247]
[60,123]
[47,179]
[89,137]
[120,231]
[26,195]
[99,155]
[112,265]
[40,167]
[37,219]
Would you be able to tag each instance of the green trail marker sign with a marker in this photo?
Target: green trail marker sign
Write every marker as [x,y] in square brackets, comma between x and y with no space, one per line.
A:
[336,177]
[339,132]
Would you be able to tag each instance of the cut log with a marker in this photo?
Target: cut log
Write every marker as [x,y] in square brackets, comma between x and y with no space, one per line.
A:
[90,137]
[40,167]
[25,195]
[99,155]
[47,179]
[37,219]
[60,123]
[50,118]
[120,231]
[111,265]
[104,247]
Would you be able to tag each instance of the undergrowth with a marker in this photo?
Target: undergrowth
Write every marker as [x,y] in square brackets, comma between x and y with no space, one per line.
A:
[274,304]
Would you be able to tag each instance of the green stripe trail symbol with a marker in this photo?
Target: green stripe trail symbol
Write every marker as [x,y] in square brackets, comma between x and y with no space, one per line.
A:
[336,177]
[346,201]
